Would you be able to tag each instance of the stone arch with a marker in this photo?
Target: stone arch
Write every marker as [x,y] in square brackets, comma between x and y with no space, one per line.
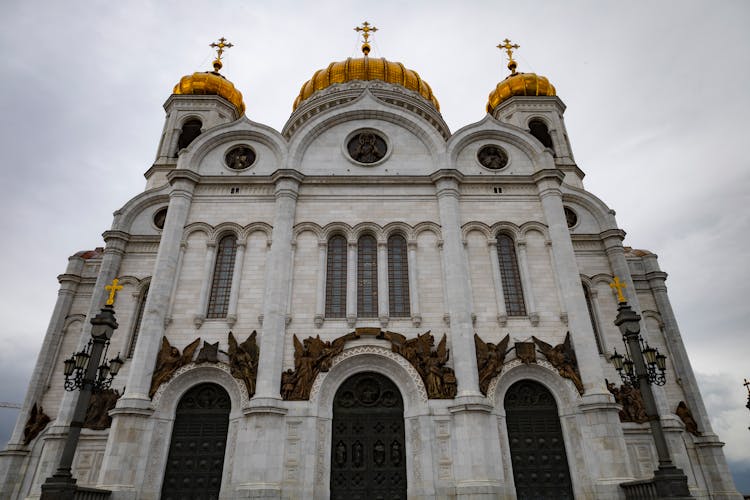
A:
[196,227]
[508,228]
[370,358]
[311,227]
[261,227]
[489,128]
[600,278]
[226,228]
[563,390]
[602,214]
[125,216]
[365,228]
[428,226]
[334,228]
[475,226]
[529,226]
[400,228]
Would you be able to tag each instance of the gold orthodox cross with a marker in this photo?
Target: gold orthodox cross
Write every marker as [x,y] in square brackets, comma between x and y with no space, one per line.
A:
[618,285]
[747,386]
[508,47]
[221,46]
[113,289]
[366,28]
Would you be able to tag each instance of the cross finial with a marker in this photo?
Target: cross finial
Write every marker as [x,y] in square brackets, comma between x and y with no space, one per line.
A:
[112,289]
[747,386]
[220,48]
[618,285]
[508,47]
[366,29]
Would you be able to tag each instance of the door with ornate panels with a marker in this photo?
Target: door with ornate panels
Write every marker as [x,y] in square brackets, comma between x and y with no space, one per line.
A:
[368,459]
[199,438]
[537,449]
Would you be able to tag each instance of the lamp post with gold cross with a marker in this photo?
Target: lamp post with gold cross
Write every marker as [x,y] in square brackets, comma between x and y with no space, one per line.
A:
[640,364]
[83,371]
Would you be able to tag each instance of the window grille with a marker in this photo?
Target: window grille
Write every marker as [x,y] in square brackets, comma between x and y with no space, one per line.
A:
[398,277]
[511,277]
[336,278]
[592,316]
[367,277]
[221,284]
[137,324]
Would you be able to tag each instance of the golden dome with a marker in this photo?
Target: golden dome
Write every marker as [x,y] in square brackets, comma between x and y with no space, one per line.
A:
[525,84]
[210,83]
[365,68]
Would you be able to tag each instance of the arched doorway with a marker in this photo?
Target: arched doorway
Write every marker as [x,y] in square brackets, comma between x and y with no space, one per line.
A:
[368,459]
[537,448]
[199,439]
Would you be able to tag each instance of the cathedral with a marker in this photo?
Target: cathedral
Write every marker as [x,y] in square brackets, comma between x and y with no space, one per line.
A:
[364,305]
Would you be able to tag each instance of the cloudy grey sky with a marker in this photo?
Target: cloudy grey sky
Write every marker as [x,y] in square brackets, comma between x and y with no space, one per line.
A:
[657,96]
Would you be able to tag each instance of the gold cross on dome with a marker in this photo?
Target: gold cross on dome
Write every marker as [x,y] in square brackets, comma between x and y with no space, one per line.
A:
[747,386]
[113,289]
[366,29]
[618,285]
[508,47]
[221,46]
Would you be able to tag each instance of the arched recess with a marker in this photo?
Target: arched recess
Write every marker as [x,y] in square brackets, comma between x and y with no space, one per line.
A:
[567,400]
[195,462]
[380,360]
[165,403]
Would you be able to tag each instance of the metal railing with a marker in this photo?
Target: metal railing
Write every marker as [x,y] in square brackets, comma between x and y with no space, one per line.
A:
[640,490]
[83,493]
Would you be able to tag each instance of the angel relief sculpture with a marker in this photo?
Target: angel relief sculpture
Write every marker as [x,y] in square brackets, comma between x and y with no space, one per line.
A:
[439,380]
[490,360]
[243,360]
[169,360]
[563,358]
[311,356]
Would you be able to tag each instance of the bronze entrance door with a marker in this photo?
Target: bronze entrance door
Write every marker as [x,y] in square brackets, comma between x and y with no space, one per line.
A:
[537,449]
[199,438]
[368,459]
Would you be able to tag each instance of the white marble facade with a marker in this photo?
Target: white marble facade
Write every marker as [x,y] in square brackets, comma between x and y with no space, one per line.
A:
[304,188]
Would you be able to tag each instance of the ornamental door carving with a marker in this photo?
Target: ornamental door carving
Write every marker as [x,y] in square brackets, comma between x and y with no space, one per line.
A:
[199,439]
[537,449]
[368,457]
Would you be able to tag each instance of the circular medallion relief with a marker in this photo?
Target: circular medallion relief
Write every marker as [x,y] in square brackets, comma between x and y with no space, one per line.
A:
[366,147]
[570,217]
[240,158]
[160,217]
[492,157]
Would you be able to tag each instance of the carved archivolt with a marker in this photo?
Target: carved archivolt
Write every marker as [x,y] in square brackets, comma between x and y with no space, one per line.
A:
[509,366]
[193,373]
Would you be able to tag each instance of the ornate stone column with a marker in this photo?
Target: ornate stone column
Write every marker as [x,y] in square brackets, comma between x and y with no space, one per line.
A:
[497,280]
[416,315]
[320,297]
[278,274]
[458,292]
[180,258]
[234,292]
[560,300]
[382,263]
[351,283]
[208,267]
[528,289]
[128,443]
[606,450]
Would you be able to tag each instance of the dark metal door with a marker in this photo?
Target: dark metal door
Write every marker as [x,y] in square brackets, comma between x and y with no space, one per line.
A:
[368,459]
[199,438]
[537,449]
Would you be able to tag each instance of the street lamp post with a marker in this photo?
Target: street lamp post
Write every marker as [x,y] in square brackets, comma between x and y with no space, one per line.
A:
[641,368]
[83,371]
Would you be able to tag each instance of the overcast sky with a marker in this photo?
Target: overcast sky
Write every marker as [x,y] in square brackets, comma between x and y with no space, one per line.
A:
[658,102]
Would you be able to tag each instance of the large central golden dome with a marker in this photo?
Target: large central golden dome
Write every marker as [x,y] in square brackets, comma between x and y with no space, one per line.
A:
[366,68]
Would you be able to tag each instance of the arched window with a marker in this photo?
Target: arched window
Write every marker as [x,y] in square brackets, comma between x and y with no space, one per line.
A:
[592,316]
[511,277]
[137,323]
[336,278]
[539,130]
[398,277]
[221,284]
[190,130]
[367,277]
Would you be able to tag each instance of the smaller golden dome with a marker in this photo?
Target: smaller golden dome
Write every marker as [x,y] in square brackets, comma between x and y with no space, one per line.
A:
[210,83]
[524,84]
[366,68]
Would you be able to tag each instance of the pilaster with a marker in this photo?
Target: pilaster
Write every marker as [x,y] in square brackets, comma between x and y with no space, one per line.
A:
[383,305]
[416,315]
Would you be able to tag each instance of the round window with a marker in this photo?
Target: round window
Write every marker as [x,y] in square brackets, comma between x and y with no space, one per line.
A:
[240,158]
[366,147]
[492,157]
[160,217]
[570,217]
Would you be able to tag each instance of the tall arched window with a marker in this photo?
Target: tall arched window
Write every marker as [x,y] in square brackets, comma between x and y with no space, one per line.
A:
[190,130]
[367,277]
[511,277]
[137,323]
[398,277]
[539,130]
[592,316]
[221,284]
[336,278]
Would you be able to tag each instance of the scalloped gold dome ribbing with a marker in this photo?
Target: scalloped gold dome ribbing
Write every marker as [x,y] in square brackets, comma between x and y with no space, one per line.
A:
[524,84]
[210,83]
[366,68]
